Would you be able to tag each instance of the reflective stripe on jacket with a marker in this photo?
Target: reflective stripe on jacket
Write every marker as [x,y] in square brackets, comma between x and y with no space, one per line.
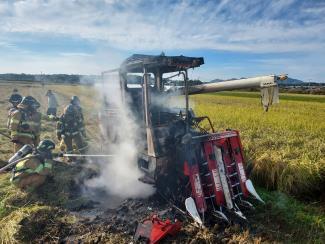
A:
[70,124]
[31,166]
[10,113]
[24,124]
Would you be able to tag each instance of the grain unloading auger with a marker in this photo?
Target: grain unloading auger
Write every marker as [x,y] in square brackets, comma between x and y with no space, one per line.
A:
[186,162]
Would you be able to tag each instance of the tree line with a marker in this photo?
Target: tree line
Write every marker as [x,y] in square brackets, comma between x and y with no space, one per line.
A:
[43,78]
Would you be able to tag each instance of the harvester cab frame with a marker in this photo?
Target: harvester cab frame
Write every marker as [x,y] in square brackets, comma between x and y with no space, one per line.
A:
[186,162]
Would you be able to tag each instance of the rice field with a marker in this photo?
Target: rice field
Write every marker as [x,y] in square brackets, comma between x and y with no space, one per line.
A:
[285,147]
[284,151]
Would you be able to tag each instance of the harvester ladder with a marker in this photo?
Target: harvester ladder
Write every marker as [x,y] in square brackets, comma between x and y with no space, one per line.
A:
[231,170]
[207,183]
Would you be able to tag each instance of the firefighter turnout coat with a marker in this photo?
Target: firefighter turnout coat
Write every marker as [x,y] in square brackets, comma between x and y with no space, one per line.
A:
[10,113]
[25,127]
[70,128]
[32,172]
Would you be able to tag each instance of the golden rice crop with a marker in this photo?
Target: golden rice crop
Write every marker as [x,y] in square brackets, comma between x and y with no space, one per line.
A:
[285,146]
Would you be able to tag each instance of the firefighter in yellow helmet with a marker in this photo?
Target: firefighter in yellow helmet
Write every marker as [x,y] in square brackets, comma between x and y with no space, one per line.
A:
[70,128]
[25,123]
[32,172]
[75,101]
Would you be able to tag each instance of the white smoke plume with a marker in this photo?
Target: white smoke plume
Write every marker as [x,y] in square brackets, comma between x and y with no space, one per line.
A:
[119,176]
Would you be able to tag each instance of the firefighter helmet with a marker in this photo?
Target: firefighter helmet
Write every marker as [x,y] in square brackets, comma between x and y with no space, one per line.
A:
[15,98]
[46,146]
[75,100]
[30,102]
[69,110]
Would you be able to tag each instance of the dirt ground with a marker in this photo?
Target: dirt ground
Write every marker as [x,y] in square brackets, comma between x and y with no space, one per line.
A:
[64,211]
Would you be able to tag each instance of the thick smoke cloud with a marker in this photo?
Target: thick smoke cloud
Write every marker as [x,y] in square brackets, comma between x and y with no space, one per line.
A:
[119,176]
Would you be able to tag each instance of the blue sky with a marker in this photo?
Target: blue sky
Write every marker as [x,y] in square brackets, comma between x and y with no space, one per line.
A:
[236,38]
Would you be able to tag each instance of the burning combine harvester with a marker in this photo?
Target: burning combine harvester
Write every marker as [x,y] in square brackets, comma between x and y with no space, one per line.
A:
[185,161]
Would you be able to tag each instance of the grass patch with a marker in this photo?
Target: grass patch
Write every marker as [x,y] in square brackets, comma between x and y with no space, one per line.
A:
[289,220]
[10,197]
[43,215]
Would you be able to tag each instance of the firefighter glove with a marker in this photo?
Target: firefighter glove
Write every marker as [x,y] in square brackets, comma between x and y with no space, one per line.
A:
[14,141]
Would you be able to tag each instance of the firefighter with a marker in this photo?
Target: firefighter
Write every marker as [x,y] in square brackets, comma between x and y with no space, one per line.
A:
[52,103]
[70,129]
[25,123]
[75,101]
[14,99]
[32,172]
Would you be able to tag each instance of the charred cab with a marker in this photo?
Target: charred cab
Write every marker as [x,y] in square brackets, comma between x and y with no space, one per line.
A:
[184,159]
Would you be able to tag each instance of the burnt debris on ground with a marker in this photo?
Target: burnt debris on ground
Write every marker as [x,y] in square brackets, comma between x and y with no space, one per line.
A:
[60,211]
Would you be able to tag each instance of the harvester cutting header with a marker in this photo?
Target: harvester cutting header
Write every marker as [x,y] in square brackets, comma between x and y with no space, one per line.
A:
[187,162]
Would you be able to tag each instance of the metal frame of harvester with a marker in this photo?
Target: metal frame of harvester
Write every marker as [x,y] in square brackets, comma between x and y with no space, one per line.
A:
[185,161]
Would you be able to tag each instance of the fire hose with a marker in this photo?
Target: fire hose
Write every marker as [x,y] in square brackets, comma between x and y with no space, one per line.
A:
[16,162]
[62,148]
[32,156]
[5,135]
[9,137]
[87,155]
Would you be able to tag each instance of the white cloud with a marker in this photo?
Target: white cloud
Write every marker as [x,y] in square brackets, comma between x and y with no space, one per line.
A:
[69,63]
[245,26]
[242,26]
